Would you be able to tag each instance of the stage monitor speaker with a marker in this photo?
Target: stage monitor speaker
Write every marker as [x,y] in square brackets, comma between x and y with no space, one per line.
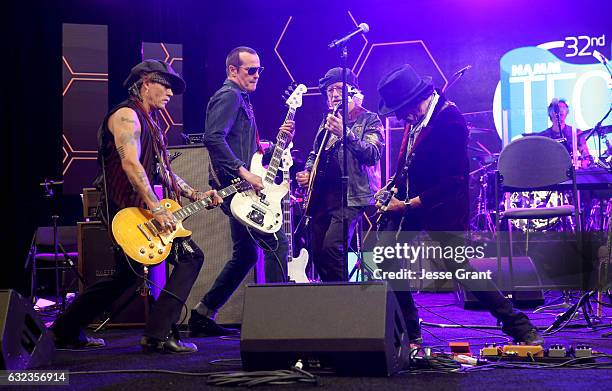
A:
[524,274]
[350,328]
[210,232]
[25,342]
[97,262]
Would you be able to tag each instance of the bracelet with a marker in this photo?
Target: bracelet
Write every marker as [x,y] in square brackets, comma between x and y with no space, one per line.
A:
[408,207]
[158,209]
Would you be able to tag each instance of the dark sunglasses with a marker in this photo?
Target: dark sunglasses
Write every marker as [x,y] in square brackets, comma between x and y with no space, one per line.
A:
[253,70]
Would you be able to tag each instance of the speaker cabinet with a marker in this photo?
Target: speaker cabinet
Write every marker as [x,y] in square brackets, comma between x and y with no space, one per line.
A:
[524,274]
[25,342]
[97,262]
[210,232]
[350,328]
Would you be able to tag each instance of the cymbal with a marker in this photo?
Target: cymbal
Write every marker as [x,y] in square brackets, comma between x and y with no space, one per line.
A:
[602,129]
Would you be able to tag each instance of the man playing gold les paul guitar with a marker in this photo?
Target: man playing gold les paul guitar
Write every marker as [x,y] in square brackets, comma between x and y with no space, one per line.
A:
[131,142]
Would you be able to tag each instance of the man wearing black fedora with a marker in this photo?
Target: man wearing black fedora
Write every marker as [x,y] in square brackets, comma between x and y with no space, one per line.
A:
[133,157]
[432,190]
[365,142]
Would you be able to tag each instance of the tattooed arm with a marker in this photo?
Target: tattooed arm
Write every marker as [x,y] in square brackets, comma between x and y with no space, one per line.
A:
[185,189]
[125,127]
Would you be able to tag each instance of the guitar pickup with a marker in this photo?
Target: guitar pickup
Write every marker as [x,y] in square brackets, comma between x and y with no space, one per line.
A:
[263,200]
[142,230]
[152,228]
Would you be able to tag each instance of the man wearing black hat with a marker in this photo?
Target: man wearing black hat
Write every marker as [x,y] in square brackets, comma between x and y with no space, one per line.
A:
[133,156]
[364,142]
[231,137]
[432,184]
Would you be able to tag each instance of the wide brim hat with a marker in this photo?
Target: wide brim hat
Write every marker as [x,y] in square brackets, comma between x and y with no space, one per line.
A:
[401,87]
[334,75]
[147,66]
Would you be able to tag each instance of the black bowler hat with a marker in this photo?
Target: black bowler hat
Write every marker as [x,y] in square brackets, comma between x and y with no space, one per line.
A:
[400,87]
[147,66]
[334,75]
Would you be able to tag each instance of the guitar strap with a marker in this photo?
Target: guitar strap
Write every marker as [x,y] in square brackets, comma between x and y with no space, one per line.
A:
[162,154]
[251,115]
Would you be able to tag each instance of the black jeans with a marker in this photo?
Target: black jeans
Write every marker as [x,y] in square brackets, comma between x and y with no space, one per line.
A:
[327,240]
[244,257]
[165,312]
[514,323]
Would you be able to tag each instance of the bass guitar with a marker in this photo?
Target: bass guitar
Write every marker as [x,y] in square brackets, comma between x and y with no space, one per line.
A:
[262,210]
[142,239]
[296,267]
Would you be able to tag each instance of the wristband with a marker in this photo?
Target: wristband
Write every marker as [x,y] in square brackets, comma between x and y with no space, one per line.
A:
[408,207]
[158,209]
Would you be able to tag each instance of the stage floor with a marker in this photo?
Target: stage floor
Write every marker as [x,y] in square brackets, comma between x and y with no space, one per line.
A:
[123,352]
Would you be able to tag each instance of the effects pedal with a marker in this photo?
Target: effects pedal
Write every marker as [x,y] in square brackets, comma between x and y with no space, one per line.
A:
[583,351]
[557,351]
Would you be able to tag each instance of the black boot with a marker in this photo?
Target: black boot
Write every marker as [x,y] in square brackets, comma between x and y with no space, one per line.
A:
[172,344]
[81,341]
[203,326]
[532,337]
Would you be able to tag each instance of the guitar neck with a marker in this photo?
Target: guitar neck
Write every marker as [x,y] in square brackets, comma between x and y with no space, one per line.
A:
[197,206]
[287,222]
[281,145]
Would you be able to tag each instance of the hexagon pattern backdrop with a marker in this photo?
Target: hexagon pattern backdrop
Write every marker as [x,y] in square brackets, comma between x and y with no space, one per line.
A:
[85,101]
[172,115]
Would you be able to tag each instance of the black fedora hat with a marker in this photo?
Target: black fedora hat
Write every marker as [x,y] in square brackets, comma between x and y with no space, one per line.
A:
[147,66]
[400,87]
[334,75]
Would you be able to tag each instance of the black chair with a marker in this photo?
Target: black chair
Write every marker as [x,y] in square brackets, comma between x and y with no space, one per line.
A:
[43,257]
[531,164]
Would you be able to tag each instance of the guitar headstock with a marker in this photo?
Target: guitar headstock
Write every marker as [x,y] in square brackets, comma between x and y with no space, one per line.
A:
[287,159]
[294,95]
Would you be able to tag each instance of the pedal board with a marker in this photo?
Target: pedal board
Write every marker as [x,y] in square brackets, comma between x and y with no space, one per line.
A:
[531,353]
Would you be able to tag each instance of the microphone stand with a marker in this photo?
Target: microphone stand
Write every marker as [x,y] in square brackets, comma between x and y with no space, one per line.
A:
[597,130]
[344,207]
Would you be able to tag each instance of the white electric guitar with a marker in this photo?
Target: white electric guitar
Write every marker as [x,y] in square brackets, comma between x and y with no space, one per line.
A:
[262,211]
[296,267]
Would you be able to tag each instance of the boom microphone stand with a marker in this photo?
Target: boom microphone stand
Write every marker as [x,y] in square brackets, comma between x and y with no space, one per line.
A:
[342,45]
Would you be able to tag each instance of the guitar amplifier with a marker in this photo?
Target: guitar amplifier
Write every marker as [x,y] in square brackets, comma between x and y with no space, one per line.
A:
[210,232]
[97,262]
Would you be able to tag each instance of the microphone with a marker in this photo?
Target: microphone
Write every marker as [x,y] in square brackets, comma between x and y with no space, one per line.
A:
[363,28]
[555,105]
[455,77]
[462,71]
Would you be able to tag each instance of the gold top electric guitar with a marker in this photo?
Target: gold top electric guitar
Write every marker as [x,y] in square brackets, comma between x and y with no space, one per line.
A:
[139,235]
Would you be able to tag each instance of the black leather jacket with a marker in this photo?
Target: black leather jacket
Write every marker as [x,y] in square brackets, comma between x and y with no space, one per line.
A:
[229,132]
[365,144]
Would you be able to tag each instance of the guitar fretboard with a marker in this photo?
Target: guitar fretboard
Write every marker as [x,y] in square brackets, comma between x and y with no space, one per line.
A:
[281,144]
[197,206]
[287,223]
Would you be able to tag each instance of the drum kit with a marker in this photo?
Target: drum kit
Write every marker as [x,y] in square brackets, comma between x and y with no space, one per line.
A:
[484,157]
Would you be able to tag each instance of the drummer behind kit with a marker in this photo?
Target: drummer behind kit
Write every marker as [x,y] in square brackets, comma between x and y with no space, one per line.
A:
[598,173]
